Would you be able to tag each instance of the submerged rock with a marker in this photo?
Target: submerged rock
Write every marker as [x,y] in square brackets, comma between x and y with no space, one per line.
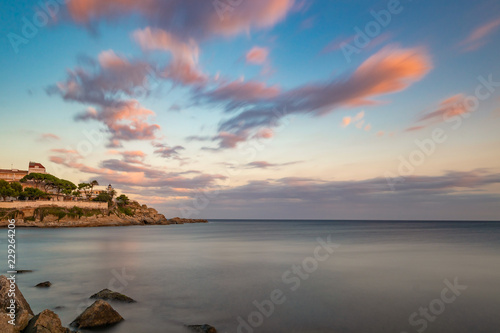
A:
[23,310]
[202,328]
[107,294]
[45,322]
[100,313]
[180,220]
[21,271]
[45,284]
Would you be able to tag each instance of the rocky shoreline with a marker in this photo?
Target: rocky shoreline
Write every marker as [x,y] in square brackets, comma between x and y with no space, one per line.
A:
[52,216]
[16,315]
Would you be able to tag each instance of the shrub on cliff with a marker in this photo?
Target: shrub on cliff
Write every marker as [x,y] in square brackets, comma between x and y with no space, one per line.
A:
[125,210]
[122,200]
[45,211]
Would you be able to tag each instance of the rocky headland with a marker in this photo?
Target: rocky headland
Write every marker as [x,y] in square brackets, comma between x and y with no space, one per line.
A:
[52,216]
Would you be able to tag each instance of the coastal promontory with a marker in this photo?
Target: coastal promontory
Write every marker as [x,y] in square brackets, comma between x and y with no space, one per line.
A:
[53,214]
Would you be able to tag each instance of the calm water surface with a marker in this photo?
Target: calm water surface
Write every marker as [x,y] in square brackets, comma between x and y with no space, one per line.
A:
[381,274]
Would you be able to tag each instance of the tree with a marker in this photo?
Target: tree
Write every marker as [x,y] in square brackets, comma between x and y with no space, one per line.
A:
[106,197]
[17,187]
[36,178]
[122,200]
[5,190]
[49,182]
[32,193]
[84,187]
[103,197]
[92,184]
[64,186]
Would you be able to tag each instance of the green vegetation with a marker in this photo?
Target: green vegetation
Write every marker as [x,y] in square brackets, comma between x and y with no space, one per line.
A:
[50,182]
[126,210]
[92,212]
[7,213]
[59,212]
[106,197]
[122,200]
[31,193]
[76,212]
[7,189]
[42,212]
[88,188]
[92,184]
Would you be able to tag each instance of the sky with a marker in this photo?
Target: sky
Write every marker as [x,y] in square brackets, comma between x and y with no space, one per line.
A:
[275,109]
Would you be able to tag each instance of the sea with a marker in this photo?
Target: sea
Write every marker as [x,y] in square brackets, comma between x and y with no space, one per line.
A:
[248,276]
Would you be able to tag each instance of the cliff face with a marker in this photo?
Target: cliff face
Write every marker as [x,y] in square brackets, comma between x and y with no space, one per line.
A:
[58,217]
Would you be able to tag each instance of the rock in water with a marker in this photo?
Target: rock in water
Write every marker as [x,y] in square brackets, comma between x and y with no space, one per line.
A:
[22,308]
[202,328]
[98,314]
[45,322]
[45,284]
[107,294]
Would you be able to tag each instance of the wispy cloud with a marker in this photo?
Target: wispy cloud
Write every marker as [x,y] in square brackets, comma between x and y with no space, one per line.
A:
[102,85]
[183,67]
[200,19]
[450,106]
[257,55]
[388,71]
[479,36]
[49,137]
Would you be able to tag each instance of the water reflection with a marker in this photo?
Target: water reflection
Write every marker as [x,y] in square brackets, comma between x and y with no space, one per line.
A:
[212,273]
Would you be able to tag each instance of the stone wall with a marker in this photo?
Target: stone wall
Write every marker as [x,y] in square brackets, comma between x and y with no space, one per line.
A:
[65,204]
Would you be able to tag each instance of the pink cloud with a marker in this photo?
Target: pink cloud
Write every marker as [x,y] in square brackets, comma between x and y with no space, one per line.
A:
[184,65]
[449,107]
[359,116]
[49,137]
[478,37]
[130,156]
[105,86]
[131,173]
[109,59]
[388,71]
[265,133]
[414,128]
[346,121]
[257,55]
[127,121]
[244,91]
[200,19]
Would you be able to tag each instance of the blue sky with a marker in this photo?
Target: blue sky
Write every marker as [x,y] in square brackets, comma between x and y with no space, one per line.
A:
[258,113]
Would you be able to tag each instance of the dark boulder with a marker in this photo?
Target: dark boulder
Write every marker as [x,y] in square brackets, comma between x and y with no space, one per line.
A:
[100,313]
[23,312]
[45,322]
[107,294]
[45,284]
[202,328]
